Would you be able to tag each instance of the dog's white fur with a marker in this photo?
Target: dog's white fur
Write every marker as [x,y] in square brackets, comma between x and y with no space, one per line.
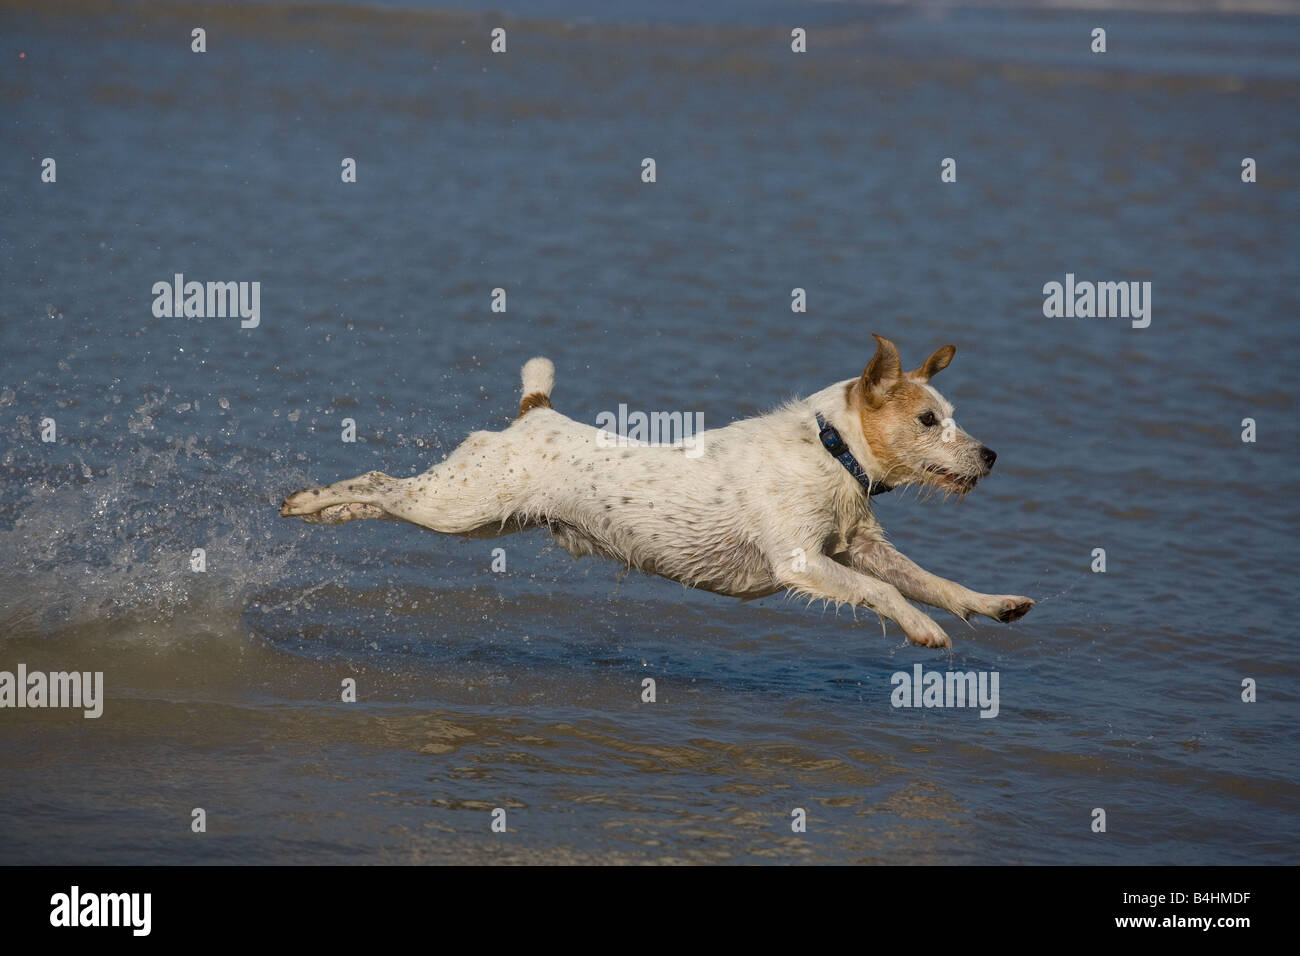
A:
[764,508]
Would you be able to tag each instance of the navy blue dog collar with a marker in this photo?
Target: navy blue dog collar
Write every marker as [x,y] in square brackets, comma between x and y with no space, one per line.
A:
[834,444]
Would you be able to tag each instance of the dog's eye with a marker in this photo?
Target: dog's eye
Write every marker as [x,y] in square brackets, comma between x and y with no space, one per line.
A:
[928,420]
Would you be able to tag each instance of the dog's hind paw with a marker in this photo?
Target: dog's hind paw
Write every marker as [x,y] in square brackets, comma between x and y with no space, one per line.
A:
[301,503]
[309,510]
[338,514]
[1012,608]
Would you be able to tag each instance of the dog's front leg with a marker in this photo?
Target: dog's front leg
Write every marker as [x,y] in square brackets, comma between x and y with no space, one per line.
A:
[875,556]
[817,576]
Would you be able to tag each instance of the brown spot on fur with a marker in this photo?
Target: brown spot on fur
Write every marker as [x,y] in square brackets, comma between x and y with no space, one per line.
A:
[534,400]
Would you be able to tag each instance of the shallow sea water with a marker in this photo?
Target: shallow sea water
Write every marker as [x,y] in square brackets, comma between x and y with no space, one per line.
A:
[522,690]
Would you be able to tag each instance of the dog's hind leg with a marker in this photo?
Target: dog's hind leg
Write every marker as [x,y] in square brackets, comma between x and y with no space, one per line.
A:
[473,492]
[465,494]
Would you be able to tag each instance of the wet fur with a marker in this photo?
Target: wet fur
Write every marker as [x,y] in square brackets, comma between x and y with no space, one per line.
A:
[764,509]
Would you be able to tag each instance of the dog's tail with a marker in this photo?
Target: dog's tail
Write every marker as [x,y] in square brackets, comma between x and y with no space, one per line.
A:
[539,379]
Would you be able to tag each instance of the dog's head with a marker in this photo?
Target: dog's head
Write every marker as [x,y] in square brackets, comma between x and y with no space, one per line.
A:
[909,427]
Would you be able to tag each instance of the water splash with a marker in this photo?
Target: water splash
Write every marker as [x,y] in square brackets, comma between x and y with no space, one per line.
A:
[117,546]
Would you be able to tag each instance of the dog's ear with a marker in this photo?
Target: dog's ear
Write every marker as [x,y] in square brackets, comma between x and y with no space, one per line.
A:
[935,364]
[884,369]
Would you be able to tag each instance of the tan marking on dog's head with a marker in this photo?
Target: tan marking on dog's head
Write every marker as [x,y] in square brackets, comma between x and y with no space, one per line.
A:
[908,425]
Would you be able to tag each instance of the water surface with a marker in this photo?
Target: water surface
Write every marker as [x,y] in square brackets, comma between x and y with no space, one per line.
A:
[522,690]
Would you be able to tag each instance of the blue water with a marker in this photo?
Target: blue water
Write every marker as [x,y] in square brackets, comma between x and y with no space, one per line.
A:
[522,690]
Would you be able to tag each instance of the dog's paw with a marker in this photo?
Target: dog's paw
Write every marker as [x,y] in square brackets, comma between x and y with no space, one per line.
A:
[338,514]
[1011,607]
[925,632]
[301,503]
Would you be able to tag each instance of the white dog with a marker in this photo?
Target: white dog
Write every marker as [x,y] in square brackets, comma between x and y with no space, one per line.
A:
[777,502]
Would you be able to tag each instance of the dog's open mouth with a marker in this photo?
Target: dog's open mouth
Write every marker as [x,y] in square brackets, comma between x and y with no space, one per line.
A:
[950,480]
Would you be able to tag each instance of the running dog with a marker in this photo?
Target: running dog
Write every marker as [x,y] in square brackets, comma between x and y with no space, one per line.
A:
[777,502]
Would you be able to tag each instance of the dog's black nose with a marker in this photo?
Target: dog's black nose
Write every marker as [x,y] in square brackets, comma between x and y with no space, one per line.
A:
[988,456]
